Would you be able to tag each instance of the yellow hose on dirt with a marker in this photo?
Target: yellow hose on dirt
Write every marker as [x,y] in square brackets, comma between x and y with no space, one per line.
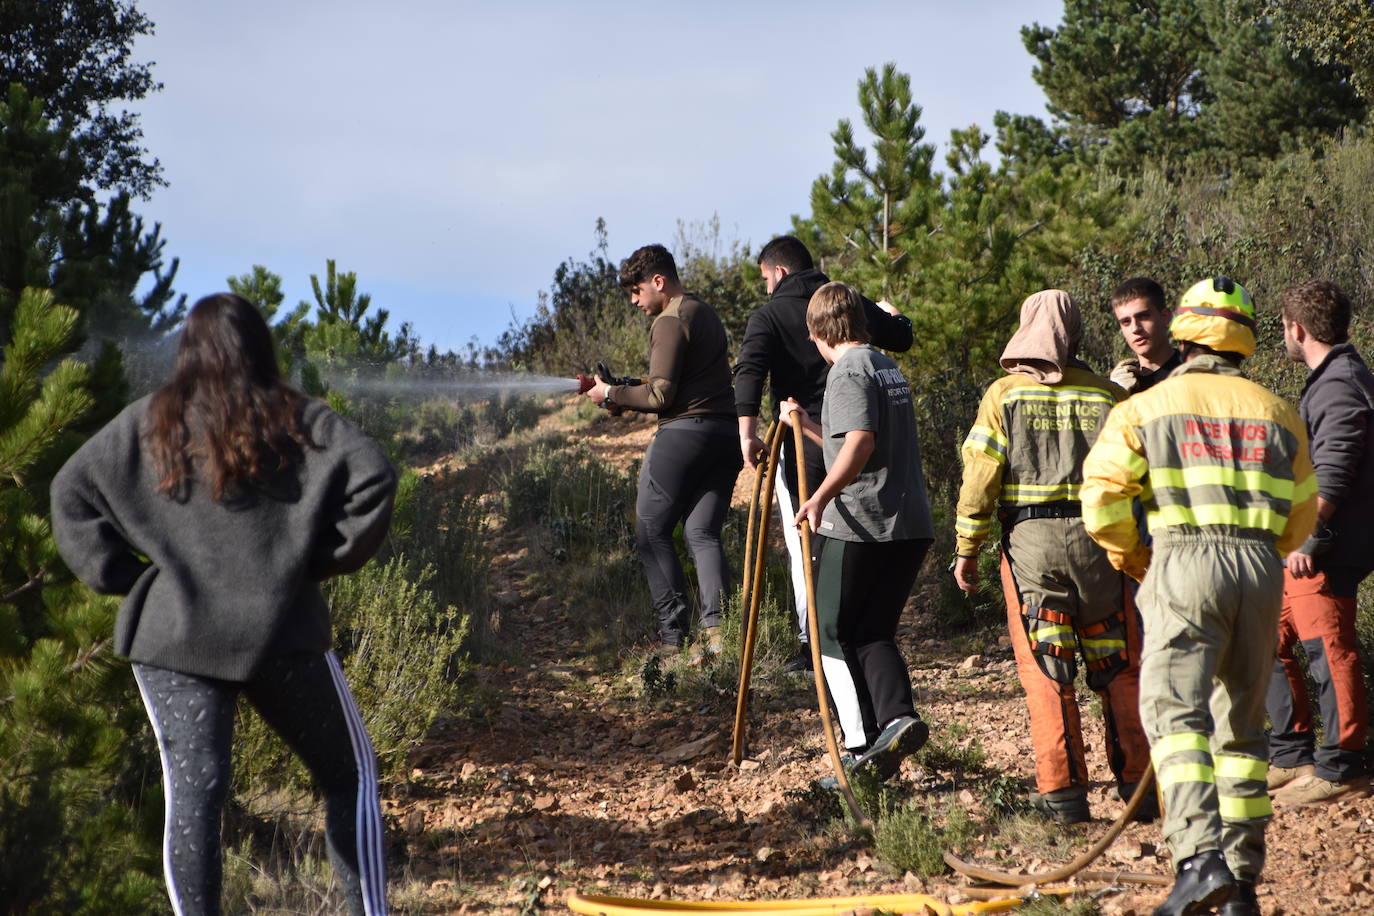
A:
[764,475]
[820,906]
[1063,872]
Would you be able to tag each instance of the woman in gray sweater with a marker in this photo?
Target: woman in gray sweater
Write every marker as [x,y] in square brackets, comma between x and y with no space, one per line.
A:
[217,505]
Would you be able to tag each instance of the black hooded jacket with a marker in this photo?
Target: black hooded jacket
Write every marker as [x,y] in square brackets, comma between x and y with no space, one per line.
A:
[777,347]
[1338,407]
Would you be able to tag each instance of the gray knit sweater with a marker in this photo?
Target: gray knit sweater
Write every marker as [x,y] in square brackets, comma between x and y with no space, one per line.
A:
[214,588]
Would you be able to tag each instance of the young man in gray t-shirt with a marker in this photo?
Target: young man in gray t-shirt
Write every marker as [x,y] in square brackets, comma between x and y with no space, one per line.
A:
[873,519]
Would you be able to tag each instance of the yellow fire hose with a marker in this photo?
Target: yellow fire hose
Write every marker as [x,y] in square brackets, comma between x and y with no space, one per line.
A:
[820,906]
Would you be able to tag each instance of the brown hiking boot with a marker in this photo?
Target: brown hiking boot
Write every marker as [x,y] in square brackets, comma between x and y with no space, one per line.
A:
[1313,790]
[1282,776]
[709,644]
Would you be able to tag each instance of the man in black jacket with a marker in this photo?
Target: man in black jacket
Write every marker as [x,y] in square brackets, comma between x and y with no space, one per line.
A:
[1323,574]
[778,348]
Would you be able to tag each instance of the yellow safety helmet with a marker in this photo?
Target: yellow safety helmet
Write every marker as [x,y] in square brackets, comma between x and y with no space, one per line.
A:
[1216,313]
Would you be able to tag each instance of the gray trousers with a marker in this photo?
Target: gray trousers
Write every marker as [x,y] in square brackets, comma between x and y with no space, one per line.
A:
[688,475]
[1210,603]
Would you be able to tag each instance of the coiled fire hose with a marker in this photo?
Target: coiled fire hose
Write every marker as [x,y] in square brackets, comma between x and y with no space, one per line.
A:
[756,542]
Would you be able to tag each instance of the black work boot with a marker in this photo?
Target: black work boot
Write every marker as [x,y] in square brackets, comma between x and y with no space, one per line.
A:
[801,661]
[1067,806]
[1203,881]
[1149,805]
[1244,903]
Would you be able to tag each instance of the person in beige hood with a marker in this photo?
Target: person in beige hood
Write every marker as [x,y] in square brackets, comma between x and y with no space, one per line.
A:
[1023,465]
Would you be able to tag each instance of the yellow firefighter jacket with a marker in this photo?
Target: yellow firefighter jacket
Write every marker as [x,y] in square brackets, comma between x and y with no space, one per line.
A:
[1204,449]
[1026,447]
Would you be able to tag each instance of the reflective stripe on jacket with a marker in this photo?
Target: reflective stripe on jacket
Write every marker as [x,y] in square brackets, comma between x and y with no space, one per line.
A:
[1206,448]
[1027,445]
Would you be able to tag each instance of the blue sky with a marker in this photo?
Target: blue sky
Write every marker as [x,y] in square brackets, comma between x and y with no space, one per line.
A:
[453,153]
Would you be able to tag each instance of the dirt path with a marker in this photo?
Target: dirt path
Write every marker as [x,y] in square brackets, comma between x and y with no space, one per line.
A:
[574,781]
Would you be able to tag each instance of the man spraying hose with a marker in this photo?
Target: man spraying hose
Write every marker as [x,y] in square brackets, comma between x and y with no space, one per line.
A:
[873,521]
[1221,466]
[690,468]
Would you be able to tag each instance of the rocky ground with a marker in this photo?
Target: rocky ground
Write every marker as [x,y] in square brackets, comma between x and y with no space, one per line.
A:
[575,780]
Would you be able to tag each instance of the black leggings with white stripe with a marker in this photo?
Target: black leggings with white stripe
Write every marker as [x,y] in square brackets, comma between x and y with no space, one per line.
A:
[306,700]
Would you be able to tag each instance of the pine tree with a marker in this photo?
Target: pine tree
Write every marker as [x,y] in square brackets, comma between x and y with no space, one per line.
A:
[1268,97]
[75,56]
[874,225]
[344,330]
[1213,81]
[71,758]
[55,235]
[1335,32]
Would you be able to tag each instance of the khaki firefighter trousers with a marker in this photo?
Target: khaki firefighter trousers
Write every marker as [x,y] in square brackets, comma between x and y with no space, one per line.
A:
[1211,608]
[1065,601]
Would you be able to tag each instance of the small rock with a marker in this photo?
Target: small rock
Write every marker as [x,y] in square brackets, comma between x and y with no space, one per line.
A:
[641,739]
[415,822]
[684,782]
[764,853]
[966,797]
[746,764]
[689,751]
[970,663]
[546,803]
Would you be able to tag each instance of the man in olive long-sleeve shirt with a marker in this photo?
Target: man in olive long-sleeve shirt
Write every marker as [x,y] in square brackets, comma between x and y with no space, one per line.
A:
[690,468]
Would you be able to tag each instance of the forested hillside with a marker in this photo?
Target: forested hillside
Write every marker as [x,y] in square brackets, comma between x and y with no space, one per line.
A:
[1184,139]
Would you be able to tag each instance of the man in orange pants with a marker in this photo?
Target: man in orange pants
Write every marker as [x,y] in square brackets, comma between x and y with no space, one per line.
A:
[1022,463]
[1323,574]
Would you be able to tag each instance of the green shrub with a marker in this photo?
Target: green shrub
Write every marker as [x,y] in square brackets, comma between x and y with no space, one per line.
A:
[578,511]
[439,525]
[909,839]
[948,751]
[401,654]
[1004,795]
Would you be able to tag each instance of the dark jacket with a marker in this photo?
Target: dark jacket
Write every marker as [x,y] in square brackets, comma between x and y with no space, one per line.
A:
[214,588]
[689,368]
[777,347]
[1338,408]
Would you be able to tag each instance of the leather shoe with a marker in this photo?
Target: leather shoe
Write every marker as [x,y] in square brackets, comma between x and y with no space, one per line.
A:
[1203,882]
[1244,903]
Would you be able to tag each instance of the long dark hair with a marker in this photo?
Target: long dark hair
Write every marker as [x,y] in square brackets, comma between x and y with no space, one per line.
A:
[226,415]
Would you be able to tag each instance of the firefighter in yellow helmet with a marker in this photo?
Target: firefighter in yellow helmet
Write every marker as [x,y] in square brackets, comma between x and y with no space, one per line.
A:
[1222,468]
[1022,463]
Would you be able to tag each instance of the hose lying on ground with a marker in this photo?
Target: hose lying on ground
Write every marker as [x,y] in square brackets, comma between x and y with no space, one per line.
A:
[821,906]
[1063,872]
